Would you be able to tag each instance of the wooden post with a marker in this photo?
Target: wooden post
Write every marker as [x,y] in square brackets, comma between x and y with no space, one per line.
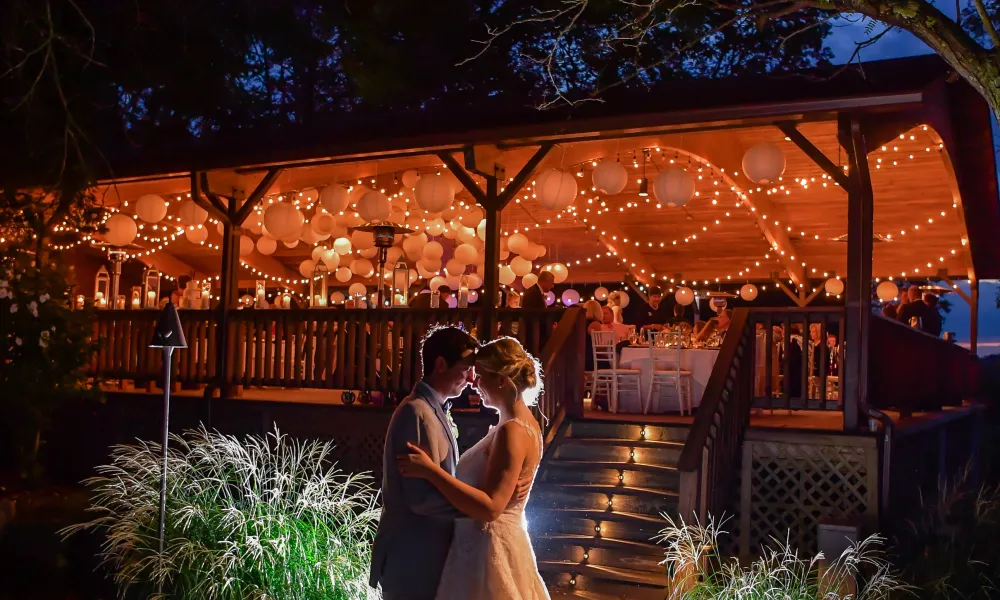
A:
[491,278]
[973,315]
[857,312]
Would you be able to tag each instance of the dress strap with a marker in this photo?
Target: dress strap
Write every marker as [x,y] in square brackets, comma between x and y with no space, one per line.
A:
[531,432]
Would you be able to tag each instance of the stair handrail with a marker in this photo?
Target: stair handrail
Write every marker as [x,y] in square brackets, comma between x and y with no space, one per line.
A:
[714,443]
[562,367]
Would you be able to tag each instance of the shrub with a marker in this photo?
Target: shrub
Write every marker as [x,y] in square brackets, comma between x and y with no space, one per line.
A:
[265,517]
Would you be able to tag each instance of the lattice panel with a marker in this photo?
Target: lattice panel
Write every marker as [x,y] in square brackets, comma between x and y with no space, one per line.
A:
[793,486]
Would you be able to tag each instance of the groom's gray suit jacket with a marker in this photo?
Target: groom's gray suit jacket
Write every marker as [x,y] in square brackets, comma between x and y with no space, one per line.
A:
[415,531]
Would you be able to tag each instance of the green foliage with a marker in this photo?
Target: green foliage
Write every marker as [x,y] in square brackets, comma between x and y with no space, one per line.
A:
[45,347]
[265,517]
[780,573]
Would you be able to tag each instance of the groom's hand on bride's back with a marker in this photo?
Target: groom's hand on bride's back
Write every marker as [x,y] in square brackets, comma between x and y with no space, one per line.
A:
[521,491]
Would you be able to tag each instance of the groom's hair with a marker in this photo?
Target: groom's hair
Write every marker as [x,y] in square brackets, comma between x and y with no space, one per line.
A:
[450,343]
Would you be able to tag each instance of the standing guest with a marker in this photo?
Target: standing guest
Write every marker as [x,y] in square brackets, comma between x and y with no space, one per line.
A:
[914,307]
[889,311]
[654,314]
[534,297]
[616,306]
[513,299]
[932,318]
[679,318]
[724,319]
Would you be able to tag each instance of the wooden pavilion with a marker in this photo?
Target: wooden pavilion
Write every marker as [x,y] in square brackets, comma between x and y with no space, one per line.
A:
[890,174]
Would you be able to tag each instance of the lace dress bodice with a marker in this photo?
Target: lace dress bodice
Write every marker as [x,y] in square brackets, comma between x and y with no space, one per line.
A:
[471,466]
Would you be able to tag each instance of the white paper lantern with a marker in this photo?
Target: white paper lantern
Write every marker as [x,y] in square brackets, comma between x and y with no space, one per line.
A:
[337,298]
[529,280]
[887,291]
[309,236]
[601,294]
[518,242]
[362,267]
[570,297]
[466,254]
[473,296]
[267,246]
[673,187]
[196,234]
[374,206]
[434,193]
[504,254]
[610,177]
[283,221]
[748,292]
[317,252]
[397,217]
[453,281]
[410,179]
[623,299]
[475,281]
[191,214]
[520,266]
[433,250]
[506,275]
[306,268]
[290,243]
[764,163]
[466,235]
[454,267]
[151,208]
[333,198]
[541,250]
[684,296]
[436,282]
[331,259]
[308,197]
[414,244]
[452,302]
[428,268]
[555,189]
[323,225]
[550,298]
[531,251]
[481,230]
[246,245]
[350,219]
[363,240]
[559,271]
[357,289]
[834,286]
[342,246]
[435,227]
[343,274]
[122,230]
[471,216]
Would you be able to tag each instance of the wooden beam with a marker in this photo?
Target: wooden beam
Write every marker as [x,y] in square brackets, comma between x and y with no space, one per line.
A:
[255,197]
[806,300]
[814,153]
[464,178]
[213,207]
[491,264]
[974,316]
[943,276]
[518,181]
[794,296]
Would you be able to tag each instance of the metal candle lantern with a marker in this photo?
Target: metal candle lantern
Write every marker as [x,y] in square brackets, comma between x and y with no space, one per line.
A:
[102,288]
[319,285]
[401,283]
[151,287]
[206,294]
[384,234]
[136,296]
[261,289]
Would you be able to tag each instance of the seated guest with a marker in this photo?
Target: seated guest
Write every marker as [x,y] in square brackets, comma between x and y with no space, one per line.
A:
[889,311]
[534,297]
[914,307]
[932,318]
[654,314]
[710,326]
[608,323]
[724,319]
[679,317]
[513,299]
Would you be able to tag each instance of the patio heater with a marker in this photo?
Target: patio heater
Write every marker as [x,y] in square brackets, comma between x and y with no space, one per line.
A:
[117,256]
[168,335]
[384,234]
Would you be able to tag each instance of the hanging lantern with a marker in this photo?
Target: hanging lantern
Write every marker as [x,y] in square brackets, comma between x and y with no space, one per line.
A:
[410,179]
[246,245]
[401,283]
[520,266]
[610,177]
[887,291]
[342,246]
[559,271]
[374,207]
[362,240]
[196,234]
[283,221]
[570,297]
[333,198]
[555,189]
[550,298]
[506,275]
[764,163]
[102,287]
[748,292]
[466,254]
[601,294]
[266,245]
[306,268]
[435,227]
[323,225]
[343,274]
[151,287]
[529,280]
[684,296]
[337,298]
[121,230]
[191,214]
[136,302]
[151,208]
[518,243]
[434,193]
[433,250]
[319,286]
[362,267]
[673,187]
[531,252]
[834,286]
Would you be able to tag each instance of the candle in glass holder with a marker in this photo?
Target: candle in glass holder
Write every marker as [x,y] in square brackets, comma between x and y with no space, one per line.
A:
[120,302]
[286,301]
[150,299]
[79,302]
[102,302]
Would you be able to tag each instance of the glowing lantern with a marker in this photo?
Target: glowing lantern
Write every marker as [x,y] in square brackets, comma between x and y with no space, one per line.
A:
[410,179]
[306,268]
[362,267]
[374,206]
[283,221]
[323,225]
[886,291]
[434,193]
[466,254]
[570,297]
[748,292]
[673,187]
[342,246]
[121,230]
[196,234]
[764,163]
[559,271]
[520,266]
[507,275]
[529,280]
[343,274]
[192,214]
[333,198]
[834,286]
[151,208]
[267,246]
[246,245]
[555,189]
[601,294]
[433,250]
[610,177]
[518,243]
[684,296]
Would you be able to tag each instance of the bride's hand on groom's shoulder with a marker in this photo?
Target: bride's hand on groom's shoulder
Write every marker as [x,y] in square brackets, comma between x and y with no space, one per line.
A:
[416,463]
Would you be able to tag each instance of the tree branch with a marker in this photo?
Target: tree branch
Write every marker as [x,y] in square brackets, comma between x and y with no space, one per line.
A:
[987,23]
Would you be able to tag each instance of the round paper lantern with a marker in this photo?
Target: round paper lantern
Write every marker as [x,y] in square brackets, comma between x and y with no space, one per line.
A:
[317,252]
[428,268]
[337,298]
[392,255]
[306,268]
[555,189]
[471,217]
[550,298]
[558,270]
[220,228]
[362,267]
[473,296]
[196,234]
[531,252]
[397,216]
[414,244]
[333,198]
[342,246]
[363,240]
[309,236]
[623,299]
[374,206]
[834,286]
[886,291]
[601,294]
[748,292]
[368,252]
[504,254]
[454,267]
[449,233]
[481,230]
[452,302]
[466,235]
[475,281]
[308,197]
[610,177]
[436,282]
[684,296]
[350,219]
[410,179]
[541,250]
[520,266]
[518,243]
[570,297]
[466,254]
[357,289]
[435,227]
[323,225]
[343,274]
[673,187]
[529,280]
[433,250]
[267,246]
[122,230]
[764,163]
[507,275]
[283,220]
[192,214]
[151,208]
[290,243]
[246,245]
[331,259]
[434,193]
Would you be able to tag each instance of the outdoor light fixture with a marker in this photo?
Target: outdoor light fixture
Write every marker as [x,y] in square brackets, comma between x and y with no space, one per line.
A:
[644,187]
[384,234]
[102,287]
[151,287]
[319,290]
[168,335]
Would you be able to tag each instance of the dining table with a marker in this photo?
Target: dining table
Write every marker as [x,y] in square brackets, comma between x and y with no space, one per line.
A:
[699,361]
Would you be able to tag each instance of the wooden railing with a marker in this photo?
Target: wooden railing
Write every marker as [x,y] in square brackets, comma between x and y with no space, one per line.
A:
[713,446]
[562,364]
[910,370]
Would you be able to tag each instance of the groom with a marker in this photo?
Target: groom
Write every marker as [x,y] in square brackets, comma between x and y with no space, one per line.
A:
[415,530]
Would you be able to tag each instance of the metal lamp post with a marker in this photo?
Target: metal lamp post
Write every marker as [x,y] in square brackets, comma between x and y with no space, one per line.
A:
[384,234]
[168,335]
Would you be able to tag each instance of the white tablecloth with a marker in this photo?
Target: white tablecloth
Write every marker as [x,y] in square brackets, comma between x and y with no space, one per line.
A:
[699,361]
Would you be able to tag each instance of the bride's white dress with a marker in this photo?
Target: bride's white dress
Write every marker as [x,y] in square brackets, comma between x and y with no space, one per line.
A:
[491,561]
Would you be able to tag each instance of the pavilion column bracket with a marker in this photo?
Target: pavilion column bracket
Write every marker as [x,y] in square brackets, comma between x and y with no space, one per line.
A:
[814,153]
[515,185]
[795,297]
[256,196]
[942,275]
[206,200]
[464,178]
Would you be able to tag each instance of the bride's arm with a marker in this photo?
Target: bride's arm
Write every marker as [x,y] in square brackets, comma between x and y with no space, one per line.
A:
[510,447]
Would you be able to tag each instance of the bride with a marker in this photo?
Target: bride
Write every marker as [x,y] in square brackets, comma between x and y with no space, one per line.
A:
[491,556]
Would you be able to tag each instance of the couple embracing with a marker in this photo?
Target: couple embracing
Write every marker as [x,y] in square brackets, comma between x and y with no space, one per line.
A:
[455,528]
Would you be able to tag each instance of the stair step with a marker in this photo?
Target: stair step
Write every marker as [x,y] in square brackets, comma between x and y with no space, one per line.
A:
[614,464]
[606,552]
[601,542]
[604,472]
[597,497]
[600,515]
[619,450]
[583,522]
[626,431]
[656,581]
[559,594]
[609,489]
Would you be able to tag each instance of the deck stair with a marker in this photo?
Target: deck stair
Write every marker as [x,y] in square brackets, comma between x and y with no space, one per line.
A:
[597,506]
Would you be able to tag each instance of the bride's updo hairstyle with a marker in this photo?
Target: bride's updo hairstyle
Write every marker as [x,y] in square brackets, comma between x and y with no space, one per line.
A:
[506,356]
